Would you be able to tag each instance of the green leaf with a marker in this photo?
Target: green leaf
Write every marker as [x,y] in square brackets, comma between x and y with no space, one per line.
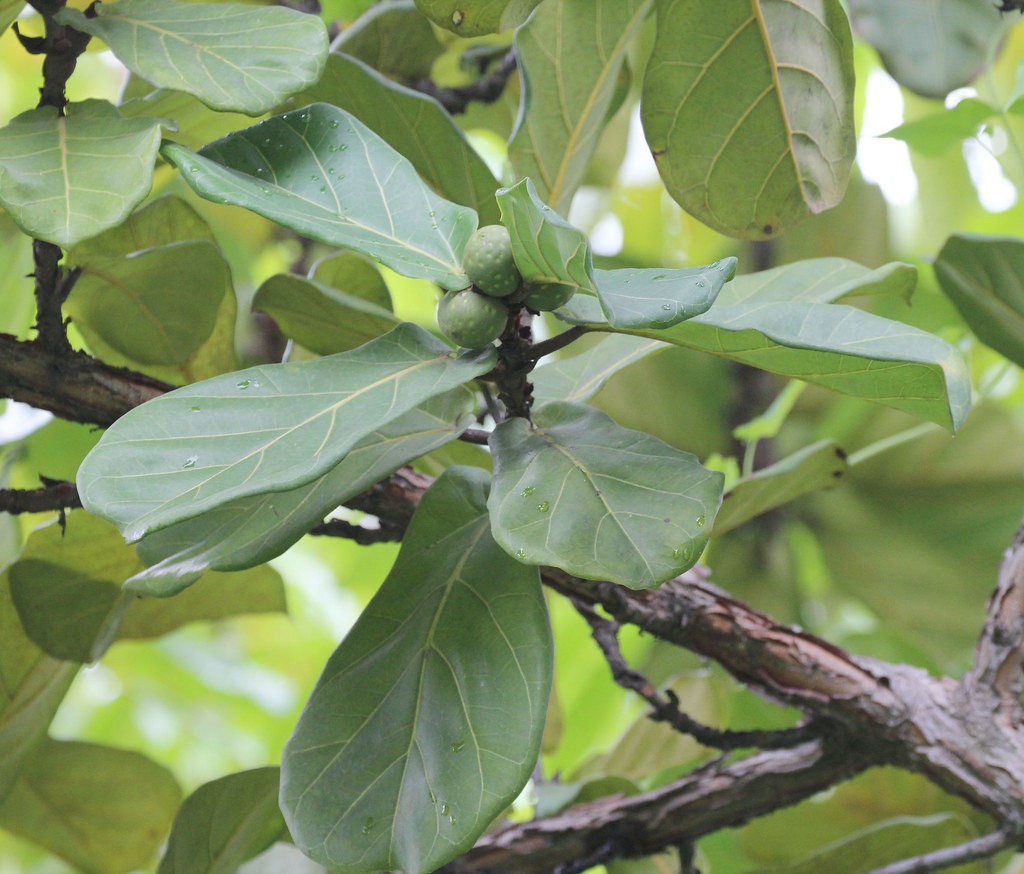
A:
[251,530]
[934,135]
[578,492]
[323,173]
[161,222]
[545,246]
[319,317]
[355,275]
[582,376]
[63,179]
[818,466]
[984,277]
[570,53]
[476,17]
[394,38]
[195,124]
[659,298]
[104,810]
[231,56]
[264,429]
[414,125]
[930,46]
[32,685]
[67,590]
[225,823]
[426,722]
[9,11]
[748,109]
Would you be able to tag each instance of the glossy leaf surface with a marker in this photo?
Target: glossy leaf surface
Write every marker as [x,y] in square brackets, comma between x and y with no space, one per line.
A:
[323,173]
[231,56]
[748,110]
[984,277]
[262,429]
[224,823]
[102,809]
[581,493]
[570,53]
[427,719]
[65,179]
[251,530]
[417,127]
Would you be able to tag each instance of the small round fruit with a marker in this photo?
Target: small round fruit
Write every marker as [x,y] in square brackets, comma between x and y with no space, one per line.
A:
[547,296]
[471,319]
[487,260]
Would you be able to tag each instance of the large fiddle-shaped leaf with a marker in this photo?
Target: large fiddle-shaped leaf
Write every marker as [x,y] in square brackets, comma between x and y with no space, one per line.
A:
[66,178]
[263,429]
[984,277]
[251,530]
[427,719]
[570,53]
[224,823]
[582,376]
[577,491]
[930,46]
[231,56]
[323,173]
[748,109]
[100,808]
[392,37]
[416,126]
[476,17]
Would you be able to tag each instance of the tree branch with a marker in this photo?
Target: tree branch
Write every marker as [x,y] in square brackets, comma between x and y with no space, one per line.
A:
[484,90]
[984,847]
[55,495]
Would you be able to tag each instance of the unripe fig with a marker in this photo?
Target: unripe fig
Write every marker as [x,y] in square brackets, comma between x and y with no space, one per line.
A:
[487,260]
[547,296]
[470,319]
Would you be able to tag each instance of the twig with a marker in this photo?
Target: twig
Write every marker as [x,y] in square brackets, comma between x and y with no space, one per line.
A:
[539,350]
[356,533]
[476,436]
[54,495]
[980,848]
[666,707]
[484,90]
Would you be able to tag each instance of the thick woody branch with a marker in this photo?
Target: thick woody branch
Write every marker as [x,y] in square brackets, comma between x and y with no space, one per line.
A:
[55,495]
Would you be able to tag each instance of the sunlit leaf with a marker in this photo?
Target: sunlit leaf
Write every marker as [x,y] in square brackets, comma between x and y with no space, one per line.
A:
[414,125]
[356,275]
[9,10]
[748,109]
[323,173]
[102,809]
[934,135]
[251,530]
[579,492]
[263,429]
[427,719]
[476,17]
[984,277]
[818,466]
[231,56]
[570,53]
[63,179]
[929,46]
[224,823]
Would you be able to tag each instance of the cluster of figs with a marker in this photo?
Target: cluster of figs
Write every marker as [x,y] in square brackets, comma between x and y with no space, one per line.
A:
[475,317]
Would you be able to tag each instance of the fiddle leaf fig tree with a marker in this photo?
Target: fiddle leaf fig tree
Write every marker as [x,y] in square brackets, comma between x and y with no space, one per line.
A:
[476,380]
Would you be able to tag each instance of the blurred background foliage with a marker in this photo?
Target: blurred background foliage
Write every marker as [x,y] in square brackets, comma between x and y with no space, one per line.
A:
[896,562]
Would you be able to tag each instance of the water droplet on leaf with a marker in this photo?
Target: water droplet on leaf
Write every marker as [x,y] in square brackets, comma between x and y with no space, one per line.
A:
[367,825]
[444,808]
[700,520]
[190,462]
[244,384]
[457,17]
[529,490]
[543,506]
[520,554]
[457,746]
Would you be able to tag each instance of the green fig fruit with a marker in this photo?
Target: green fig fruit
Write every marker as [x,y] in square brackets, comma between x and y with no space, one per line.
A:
[547,296]
[487,260]
[471,319]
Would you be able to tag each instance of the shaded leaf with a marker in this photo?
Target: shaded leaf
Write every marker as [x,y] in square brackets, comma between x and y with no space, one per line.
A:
[934,135]
[63,179]
[251,530]
[260,430]
[930,46]
[477,17]
[354,274]
[414,125]
[427,719]
[394,38]
[323,173]
[195,124]
[231,56]
[323,319]
[570,53]
[748,109]
[104,810]
[167,220]
[582,376]
[578,492]
[9,10]
[225,823]
[984,277]
[818,466]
